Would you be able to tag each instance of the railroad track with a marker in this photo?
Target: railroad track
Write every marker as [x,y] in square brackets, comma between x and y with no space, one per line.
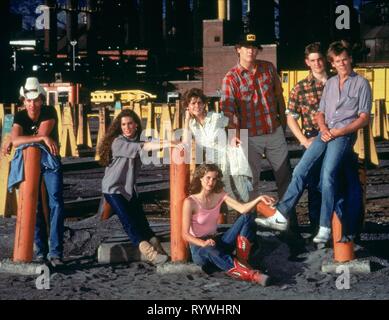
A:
[154,181]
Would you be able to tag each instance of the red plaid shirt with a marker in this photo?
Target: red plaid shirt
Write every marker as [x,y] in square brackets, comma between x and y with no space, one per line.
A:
[252,98]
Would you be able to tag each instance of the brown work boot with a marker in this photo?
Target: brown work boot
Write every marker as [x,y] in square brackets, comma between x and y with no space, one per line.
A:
[154,241]
[151,254]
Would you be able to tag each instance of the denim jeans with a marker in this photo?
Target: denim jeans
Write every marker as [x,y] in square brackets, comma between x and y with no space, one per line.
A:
[51,246]
[220,254]
[131,216]
[334,152]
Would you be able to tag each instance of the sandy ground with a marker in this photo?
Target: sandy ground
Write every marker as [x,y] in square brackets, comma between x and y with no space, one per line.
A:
[83,278]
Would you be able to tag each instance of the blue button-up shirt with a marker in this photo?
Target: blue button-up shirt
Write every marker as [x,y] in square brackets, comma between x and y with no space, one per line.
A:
[341,107]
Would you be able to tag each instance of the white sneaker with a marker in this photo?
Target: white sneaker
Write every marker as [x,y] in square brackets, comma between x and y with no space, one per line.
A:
[323,235]
[276,222]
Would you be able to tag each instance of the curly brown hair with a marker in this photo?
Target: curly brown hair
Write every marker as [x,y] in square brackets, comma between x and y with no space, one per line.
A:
[192,93]
[201,171]
[115,130]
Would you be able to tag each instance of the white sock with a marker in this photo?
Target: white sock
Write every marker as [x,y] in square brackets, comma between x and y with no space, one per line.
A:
[324,229]
[278,215]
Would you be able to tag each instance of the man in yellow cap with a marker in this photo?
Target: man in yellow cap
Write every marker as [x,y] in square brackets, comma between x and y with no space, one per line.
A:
[252,99]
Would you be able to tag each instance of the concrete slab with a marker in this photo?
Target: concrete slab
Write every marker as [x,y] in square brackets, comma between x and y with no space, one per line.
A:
[26,269]
[113,251]
[354,266]
[179,268]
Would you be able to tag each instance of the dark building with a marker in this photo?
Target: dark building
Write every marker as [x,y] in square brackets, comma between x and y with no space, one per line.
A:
[202,10]
[305,21]
[5,63]
[179,36]
[261,18]
[150,19]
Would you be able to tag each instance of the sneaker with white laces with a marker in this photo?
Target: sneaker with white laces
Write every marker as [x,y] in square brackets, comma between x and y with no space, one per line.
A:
[276,222]
[323,235]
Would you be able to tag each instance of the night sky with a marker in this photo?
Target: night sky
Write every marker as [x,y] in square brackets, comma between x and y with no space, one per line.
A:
[27,9]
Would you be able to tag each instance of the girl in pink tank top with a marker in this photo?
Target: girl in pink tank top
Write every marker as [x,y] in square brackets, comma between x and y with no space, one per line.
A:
[201,211]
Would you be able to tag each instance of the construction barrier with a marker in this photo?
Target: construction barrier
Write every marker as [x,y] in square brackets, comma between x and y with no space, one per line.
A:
[8,201]
[27,206]
[68,145]
[83,130]
[380,120]
[343,251]
[103,126]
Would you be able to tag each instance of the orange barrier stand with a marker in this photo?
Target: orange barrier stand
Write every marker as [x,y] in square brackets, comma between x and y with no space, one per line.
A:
[343,251]
[179,181]
[27,206]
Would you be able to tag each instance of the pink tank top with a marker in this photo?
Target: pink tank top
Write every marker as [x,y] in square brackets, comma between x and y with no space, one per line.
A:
[204,222]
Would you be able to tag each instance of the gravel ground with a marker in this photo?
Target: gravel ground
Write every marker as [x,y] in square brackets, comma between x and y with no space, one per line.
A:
[301,278]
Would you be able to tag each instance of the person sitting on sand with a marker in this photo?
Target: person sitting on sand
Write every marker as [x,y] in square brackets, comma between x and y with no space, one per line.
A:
[120,153]
[200,214]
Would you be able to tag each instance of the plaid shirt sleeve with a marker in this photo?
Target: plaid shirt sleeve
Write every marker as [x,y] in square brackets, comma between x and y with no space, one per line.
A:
[228,102]
[294,104]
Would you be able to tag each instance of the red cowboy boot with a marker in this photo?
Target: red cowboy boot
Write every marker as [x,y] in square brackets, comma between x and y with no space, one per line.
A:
[243,248]
[243,272]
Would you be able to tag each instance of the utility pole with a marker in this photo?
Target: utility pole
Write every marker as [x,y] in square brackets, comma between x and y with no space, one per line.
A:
[73,43]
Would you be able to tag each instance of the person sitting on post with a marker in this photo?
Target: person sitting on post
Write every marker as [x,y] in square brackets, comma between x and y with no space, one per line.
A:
[200,215]
[344,108]
[120,154]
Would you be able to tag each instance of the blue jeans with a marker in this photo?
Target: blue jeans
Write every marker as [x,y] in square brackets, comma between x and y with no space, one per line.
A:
[334,152]
[131,216]
[220,254]
[51,246]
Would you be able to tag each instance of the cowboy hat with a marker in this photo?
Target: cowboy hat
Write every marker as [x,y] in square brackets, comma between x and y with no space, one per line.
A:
[32,89]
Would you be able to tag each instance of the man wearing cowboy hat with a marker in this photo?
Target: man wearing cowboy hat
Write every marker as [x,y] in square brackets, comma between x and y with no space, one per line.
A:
[252,99]
[38,124]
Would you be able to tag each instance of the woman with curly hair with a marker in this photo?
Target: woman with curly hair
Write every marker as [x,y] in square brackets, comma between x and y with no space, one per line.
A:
[120,154]
[200,214]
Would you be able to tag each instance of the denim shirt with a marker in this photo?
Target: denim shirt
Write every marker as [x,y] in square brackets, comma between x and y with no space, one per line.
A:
[341,107]
[16,175]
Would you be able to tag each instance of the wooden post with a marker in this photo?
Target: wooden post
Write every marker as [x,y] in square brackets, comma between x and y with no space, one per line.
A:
[83,131]
[343,251]
[58,110]
[14,108]
[380,121]
[165,131]
[8,201]
[179,181]
[2,114]
[177,119]
[103,125]
[28,201]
